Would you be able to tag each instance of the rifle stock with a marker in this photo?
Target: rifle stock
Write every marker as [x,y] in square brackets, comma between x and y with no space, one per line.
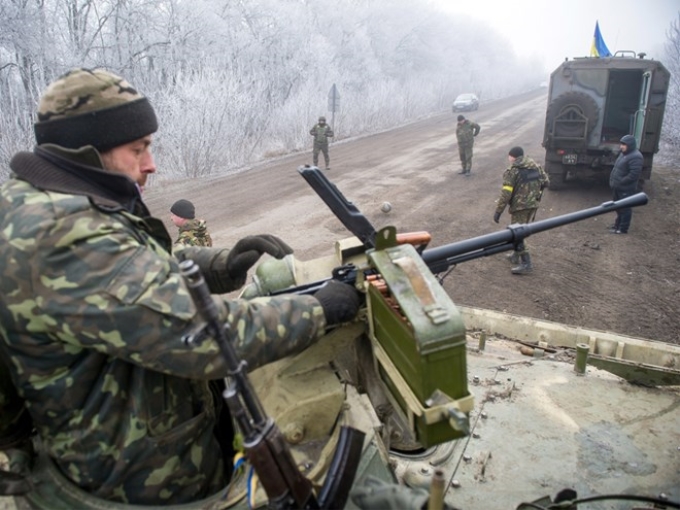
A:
[266,447]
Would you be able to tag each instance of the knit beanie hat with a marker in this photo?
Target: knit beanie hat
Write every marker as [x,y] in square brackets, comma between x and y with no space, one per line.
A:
[93,107]
[460,117]
[183,209]
[516,152]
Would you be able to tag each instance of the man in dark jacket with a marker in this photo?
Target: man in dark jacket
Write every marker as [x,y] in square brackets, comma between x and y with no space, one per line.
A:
[624,181]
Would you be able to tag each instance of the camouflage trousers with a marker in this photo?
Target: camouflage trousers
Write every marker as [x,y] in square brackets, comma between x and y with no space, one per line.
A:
[525,216]
[321,147]
[465,152]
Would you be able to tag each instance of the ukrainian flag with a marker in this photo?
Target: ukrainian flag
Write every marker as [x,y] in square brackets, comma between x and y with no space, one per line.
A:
[598,48]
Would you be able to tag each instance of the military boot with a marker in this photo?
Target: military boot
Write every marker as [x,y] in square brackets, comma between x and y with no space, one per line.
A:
[524,266]
[513,257]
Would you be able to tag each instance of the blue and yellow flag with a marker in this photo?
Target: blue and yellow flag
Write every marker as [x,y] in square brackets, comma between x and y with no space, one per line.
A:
[598,48]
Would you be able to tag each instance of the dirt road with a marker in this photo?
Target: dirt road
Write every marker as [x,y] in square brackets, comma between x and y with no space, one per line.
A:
[582,276]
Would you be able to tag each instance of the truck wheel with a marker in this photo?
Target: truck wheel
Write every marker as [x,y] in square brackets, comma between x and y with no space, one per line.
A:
[557,174]
[568,106]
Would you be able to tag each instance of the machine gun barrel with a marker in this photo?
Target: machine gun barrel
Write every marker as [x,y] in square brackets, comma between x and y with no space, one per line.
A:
[442,257]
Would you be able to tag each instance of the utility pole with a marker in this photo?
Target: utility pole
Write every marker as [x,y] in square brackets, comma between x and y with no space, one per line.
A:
[333,104]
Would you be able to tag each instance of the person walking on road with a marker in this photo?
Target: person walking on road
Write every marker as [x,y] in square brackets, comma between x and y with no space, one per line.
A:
[623,180]
[523,184]
[466,130]
[321,133]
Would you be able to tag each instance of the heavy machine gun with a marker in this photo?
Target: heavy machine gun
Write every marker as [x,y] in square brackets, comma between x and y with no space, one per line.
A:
[439,259]
[409,356]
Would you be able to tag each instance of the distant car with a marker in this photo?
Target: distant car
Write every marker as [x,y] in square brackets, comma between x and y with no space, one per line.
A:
[466,102]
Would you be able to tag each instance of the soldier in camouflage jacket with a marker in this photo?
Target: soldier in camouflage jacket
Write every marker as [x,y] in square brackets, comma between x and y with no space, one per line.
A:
[466,130]
[523,184]
[321,133]
[192,231]
[93,306]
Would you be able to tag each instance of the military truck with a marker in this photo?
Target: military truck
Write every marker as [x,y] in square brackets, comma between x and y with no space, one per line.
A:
[592,103]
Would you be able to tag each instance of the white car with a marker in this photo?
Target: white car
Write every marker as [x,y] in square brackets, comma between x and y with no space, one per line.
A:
[466,102]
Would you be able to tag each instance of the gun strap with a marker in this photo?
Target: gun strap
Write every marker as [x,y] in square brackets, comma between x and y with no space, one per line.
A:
[528,174]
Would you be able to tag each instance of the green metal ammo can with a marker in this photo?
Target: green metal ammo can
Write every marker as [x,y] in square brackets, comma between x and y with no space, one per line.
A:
[419,341]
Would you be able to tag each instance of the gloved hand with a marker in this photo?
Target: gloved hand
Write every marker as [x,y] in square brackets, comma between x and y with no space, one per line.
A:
[496,216]
[248,251]
[340,302]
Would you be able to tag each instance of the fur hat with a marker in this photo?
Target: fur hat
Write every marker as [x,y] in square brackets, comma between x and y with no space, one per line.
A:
[516,152]
[183,209]
[92,107]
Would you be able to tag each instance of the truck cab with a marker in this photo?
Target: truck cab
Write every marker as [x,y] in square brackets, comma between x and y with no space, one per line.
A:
[592,103]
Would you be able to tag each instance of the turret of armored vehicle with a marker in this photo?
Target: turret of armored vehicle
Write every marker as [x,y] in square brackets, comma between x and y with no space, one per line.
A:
[592,103]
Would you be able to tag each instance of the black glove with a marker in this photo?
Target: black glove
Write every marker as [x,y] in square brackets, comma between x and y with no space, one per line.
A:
[496,216]
[248,251]
[340,302]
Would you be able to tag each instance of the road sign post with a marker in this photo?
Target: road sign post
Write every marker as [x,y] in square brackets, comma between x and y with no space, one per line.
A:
[333,103]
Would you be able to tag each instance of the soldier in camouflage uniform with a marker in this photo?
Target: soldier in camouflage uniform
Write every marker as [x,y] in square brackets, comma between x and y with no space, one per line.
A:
[523,184]
[192,231]
[466,130]
[321,133]
[93,306]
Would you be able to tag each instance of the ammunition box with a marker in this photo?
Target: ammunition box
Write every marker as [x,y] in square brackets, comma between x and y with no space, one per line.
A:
[419,342]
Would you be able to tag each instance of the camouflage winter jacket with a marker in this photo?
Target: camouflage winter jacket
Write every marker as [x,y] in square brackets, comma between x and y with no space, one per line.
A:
[466,132]
[92,312]
[194,233]
[523,184]
[321,133]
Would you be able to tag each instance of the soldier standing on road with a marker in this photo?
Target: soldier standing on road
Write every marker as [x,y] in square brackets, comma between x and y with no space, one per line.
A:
[192,231]
[466,130]
[523,184]
[94,306]
[623,180]
[321,133]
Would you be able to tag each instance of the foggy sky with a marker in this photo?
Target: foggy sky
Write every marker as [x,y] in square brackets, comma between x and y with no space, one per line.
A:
[553,30]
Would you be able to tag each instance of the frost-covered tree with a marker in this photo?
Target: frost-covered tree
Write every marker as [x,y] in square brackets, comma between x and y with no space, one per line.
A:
[234,81]
[671,128]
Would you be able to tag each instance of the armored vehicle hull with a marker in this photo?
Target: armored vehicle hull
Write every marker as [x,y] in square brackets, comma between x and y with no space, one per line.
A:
[538,426]
[592,103]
